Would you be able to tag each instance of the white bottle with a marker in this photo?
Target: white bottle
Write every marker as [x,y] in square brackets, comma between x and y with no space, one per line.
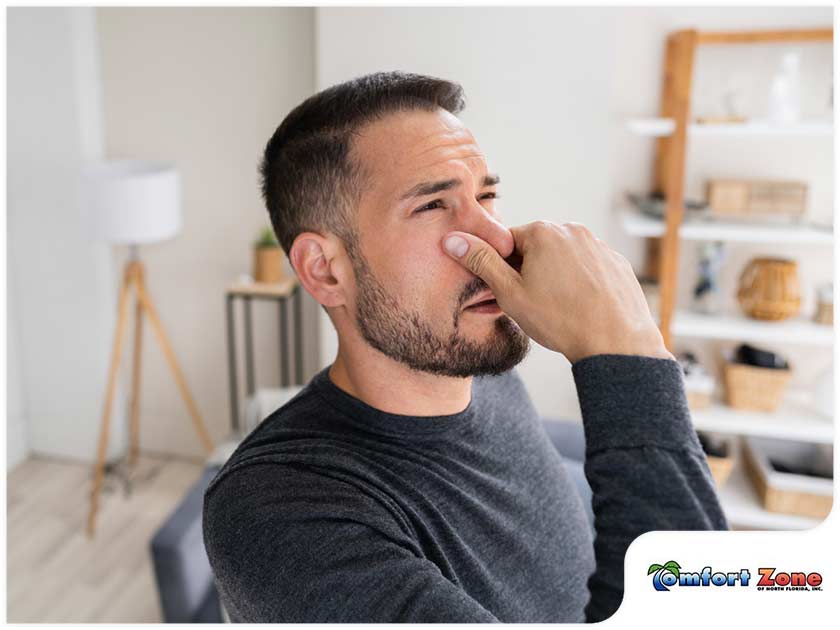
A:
[783,104]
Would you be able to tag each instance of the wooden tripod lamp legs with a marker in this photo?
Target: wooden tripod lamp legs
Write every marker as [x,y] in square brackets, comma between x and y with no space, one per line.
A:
[99,469]
[133,278]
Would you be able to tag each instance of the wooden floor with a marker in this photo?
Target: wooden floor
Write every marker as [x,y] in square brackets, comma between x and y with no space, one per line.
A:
[54,572]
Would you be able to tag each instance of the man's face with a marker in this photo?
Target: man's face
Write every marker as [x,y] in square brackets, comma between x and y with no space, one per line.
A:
[410,296]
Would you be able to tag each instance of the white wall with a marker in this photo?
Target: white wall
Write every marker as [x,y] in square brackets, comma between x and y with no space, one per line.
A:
[61,292]
[547,89]
[17,438]
[205,88]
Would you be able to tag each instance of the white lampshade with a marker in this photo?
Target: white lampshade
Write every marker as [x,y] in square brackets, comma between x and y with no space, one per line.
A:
[132,201]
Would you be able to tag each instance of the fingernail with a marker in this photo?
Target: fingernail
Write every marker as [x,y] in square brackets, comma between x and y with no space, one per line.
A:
[456,246]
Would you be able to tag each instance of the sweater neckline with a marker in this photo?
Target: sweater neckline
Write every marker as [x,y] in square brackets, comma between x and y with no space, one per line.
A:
[376,420]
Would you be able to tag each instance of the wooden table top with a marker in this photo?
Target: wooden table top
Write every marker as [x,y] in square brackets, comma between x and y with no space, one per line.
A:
[283,288]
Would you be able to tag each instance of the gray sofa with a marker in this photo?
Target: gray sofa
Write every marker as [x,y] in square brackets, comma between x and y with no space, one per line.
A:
[182,571]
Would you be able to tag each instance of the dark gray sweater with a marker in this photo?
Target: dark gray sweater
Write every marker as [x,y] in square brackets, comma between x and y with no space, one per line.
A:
[334,511]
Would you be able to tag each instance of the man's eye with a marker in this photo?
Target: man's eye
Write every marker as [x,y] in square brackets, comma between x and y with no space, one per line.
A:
[432,206]
[428,206]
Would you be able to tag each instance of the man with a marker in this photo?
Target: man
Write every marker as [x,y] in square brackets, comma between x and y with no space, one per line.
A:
[412,480]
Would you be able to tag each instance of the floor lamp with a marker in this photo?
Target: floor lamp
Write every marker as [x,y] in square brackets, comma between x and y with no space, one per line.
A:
[134,202]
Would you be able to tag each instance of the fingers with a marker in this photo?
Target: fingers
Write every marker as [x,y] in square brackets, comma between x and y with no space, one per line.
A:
[483,260]
[502,275]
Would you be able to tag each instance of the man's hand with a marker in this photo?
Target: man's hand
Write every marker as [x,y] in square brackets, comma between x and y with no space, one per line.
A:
[572,294]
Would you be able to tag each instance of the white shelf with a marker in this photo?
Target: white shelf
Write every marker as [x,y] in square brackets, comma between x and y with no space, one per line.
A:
[744,510]
[658,127]
[793,420]
[636,223]
[799,331]
[651,127]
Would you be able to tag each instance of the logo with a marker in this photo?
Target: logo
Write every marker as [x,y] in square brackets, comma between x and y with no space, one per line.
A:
[669,574]
[771,580]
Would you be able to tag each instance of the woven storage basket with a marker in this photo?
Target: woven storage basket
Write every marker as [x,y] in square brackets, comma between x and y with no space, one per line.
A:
[698,400]
[721,467]
[768,288]
[783,497]
[751,387]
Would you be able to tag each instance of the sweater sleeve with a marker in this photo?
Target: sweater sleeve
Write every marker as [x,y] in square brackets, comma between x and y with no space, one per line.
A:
[287,544]
[644,463]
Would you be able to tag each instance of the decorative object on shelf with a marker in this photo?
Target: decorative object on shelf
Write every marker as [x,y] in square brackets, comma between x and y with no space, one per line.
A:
[783,104]
[768,288]
[757,199]
[791,477]
[825,305]
[268,258]
[755,379]
[654,205]
[730,107]
[706,294]
[720,454]
[750,355]
[699,384]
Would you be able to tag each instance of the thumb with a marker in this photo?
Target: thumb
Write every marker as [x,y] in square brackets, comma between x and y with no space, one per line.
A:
[482,259]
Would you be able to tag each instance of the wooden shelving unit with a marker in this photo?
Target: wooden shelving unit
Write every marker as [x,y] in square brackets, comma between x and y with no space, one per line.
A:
[672,128]
[795,419]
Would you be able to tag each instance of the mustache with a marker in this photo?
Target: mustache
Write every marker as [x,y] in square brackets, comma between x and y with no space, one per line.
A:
[477,285]
[473,288]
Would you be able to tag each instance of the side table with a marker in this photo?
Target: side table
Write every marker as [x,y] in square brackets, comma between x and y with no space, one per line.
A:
[282,293]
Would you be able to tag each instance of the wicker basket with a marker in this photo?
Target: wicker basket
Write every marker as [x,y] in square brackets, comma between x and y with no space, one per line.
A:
[721,467]
[756,388]
[784,492]
[768,288]
[698,400]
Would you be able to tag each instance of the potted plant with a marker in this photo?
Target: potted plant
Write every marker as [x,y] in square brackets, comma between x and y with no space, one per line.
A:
[268,258]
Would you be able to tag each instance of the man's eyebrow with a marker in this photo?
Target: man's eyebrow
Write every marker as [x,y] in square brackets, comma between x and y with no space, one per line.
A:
[430,188]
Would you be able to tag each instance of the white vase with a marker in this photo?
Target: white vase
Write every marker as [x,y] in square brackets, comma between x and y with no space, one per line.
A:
[783,104]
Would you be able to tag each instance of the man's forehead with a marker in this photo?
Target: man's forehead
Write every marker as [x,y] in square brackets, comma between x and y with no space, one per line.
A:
[408,149]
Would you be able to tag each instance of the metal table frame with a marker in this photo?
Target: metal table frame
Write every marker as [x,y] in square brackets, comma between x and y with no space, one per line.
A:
[250,377]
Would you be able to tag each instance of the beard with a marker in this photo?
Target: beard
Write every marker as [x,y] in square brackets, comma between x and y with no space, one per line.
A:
[408,337]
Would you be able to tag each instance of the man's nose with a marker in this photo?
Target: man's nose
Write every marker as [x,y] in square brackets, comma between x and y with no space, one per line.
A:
[477,220]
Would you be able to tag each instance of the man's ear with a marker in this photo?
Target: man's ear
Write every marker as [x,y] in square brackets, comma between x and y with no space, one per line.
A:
[322,267]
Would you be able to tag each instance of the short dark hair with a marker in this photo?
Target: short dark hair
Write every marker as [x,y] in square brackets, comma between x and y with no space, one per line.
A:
[309,181]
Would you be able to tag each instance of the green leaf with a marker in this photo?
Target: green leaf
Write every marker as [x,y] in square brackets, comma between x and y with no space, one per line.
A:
[267,238]
[654,567]
[671,564]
